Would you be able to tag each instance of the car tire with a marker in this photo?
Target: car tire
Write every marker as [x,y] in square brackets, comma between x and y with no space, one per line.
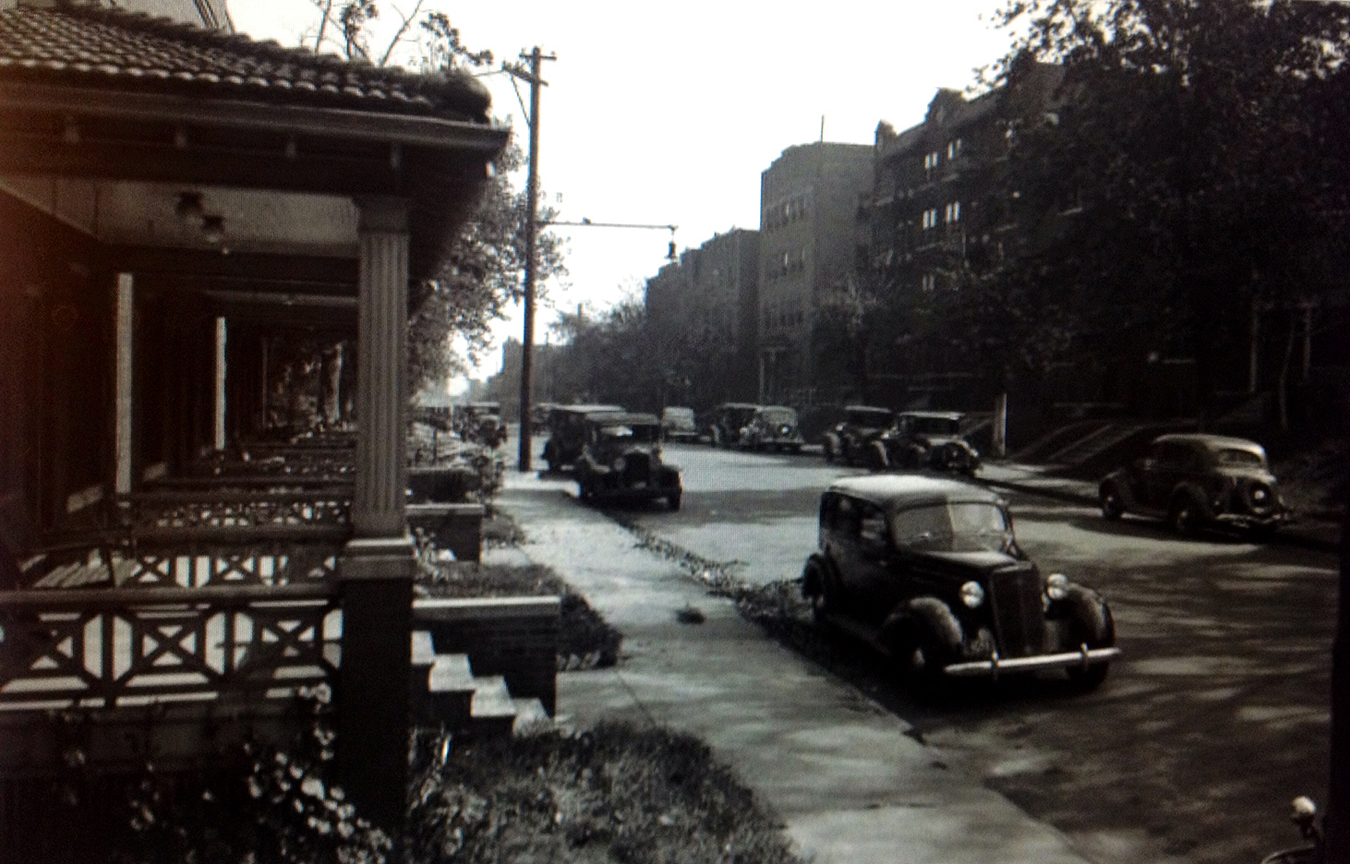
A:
[1112,505]
[1183,515]
[919,658]
[823,598]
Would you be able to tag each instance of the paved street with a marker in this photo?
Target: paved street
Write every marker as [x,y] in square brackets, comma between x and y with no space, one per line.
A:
[1214,719]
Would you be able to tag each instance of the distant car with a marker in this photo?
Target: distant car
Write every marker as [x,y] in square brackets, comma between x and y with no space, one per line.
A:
[1194,481]
[622,460]
[850,440]
[726,422]
[927,570]
[567,433]
[539,414]
[677,424]
[927,440]
[772,427]
[480,422]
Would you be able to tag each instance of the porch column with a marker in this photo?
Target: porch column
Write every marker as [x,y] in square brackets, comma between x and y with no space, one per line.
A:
[126,320]
[221,334]
[377,566]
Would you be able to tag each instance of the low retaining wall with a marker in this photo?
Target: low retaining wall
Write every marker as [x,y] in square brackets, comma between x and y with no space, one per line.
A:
[515,637]
[456,527]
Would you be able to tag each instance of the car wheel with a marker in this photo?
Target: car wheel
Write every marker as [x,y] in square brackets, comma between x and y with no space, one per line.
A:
[919,659]
[818,588]
[1182,517]
[1112,506]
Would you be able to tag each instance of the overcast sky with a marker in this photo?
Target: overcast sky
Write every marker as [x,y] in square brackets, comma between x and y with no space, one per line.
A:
[669,116]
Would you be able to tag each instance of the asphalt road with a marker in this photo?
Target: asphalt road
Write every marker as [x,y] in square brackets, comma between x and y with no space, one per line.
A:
[1216,716]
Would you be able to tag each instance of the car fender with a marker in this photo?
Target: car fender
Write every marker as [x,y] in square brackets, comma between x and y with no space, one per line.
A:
[826,567]
[1087,608]
[1121,481]
[930,613]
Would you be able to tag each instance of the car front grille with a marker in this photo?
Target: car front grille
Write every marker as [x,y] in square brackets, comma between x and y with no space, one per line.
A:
[1018,611]
[637,467]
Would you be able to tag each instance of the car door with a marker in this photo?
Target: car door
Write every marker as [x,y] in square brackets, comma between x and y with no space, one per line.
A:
[1163,470]
[881,589]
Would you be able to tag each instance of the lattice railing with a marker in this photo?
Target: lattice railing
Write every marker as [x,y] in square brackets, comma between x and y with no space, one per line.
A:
[219,508]
[100,648]
[247,555]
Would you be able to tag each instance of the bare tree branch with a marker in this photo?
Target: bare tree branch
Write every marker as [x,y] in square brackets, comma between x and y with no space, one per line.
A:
[403,28]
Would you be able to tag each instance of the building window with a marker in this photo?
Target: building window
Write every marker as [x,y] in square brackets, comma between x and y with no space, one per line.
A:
[930,218]
[930,161]
[953,148]
[953,213]
[929,283]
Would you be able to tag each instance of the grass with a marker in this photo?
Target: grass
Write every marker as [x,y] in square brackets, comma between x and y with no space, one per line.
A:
[615,793]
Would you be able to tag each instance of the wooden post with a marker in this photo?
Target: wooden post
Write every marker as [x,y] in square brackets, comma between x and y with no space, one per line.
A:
[125,336]
[377,566]
[219,437]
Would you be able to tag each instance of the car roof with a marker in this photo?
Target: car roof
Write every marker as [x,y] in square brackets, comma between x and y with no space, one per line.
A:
[776,408]
[867,408]
[623,418]
[1211,442]
[909,490]
[738,405]
[680,408]
[944,415]
[586,409]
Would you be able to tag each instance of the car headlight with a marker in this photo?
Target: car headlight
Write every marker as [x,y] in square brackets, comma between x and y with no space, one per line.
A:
[972,594]
[1056,586]
[619,463]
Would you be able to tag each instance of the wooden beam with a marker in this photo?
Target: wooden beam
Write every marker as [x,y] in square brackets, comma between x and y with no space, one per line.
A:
[207,268]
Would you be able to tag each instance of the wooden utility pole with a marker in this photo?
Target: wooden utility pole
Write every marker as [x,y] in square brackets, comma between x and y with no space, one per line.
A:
[536,59]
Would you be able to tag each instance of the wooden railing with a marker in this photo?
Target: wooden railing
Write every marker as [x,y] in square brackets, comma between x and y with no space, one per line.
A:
[216,508]
[100,648]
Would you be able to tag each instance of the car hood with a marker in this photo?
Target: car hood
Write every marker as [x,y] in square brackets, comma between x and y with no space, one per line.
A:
[1239,473]
[981,562]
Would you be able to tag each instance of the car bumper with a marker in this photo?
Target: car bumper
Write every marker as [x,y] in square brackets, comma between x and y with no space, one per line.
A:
[995,666]
[1248,521]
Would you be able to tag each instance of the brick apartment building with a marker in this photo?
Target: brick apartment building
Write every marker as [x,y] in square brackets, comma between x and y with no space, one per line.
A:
[702,310]
[808,206]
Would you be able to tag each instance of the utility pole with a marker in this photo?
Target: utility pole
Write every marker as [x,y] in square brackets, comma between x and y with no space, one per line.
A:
[536,59]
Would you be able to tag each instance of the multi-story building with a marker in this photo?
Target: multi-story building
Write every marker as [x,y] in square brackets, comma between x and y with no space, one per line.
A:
[808,202]
[702,311]
[939,209]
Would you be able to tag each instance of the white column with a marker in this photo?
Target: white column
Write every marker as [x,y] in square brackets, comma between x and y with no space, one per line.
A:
[381,473]
[125,335]
[221,334]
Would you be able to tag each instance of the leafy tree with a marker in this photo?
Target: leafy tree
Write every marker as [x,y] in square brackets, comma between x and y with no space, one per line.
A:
[608,357]
[1192,136]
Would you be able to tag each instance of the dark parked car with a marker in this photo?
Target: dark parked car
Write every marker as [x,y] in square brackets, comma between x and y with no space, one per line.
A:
[773,427]
[678,424]
[851,440]
[480,422]
[622,460]
[1198,480]
[928,571]
[726,422]
[927,439]
[567,433]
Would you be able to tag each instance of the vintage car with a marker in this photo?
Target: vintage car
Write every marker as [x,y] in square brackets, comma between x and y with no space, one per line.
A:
[927,570]
[726,421]
[480,422]
[567,433]
[622,460]
[772,427]
[926,440]
[851,440]
[677,424]
[1195,480]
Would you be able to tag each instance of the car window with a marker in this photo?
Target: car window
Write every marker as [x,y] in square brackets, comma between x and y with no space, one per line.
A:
[872,525]
[963,527]
[847,518]
[1234,456]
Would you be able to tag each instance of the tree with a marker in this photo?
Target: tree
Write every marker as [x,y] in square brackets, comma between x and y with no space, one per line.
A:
[608,357]
[1191,135]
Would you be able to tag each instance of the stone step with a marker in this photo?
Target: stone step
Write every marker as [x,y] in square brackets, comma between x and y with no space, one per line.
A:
[531,718]
[493,711]
[445,691]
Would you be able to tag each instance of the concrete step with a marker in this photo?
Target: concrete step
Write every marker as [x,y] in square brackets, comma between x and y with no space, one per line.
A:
[445,691]
[493,711]
[531,718]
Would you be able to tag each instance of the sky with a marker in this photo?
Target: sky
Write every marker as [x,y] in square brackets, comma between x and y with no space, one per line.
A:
[666,114]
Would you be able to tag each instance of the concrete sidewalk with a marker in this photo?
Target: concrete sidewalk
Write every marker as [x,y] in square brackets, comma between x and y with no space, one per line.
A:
[840,771]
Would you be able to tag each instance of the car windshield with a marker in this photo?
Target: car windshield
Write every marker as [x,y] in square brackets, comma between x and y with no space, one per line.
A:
[879,417]
[935,425]
[680,414]
[963,527]
[635,434]
[780,416]
[1234,456]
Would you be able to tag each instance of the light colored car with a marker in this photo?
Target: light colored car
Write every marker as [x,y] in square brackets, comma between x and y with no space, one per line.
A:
[677,424]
